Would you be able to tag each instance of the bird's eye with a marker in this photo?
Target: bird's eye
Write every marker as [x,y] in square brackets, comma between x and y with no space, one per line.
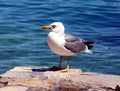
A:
[53,26]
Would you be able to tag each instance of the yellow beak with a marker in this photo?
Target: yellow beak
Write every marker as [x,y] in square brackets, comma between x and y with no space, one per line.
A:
[45,27]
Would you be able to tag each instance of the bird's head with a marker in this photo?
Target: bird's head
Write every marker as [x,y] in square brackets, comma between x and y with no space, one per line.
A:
[56,27]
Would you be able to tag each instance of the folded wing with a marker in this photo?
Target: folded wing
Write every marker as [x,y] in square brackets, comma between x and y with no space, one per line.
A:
[74,44]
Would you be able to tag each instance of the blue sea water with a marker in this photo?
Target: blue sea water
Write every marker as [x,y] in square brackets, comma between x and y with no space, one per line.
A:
[23,42]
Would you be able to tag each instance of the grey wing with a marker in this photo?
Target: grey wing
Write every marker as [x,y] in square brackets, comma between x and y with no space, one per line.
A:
[74,44]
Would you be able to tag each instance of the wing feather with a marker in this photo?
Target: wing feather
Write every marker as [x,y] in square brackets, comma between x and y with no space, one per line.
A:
[74,44]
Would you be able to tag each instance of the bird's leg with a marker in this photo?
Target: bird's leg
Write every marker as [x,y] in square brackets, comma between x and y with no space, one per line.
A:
[67,68]
[60,62]
[56,68]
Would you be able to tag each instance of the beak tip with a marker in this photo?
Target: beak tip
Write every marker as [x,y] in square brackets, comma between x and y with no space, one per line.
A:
[45,27]
[42,27]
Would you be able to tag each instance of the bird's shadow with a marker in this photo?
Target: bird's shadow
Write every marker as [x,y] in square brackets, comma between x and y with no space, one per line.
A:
[54,68]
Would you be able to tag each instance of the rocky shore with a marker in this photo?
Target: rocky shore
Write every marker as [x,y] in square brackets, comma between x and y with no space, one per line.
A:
[43,79]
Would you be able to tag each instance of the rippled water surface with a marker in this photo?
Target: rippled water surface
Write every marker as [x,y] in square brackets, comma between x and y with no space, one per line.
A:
[23,43]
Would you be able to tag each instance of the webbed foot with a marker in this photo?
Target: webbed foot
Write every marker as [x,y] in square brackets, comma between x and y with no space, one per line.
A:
[66,69]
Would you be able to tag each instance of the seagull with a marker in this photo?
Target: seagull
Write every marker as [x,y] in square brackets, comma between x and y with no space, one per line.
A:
[64,44]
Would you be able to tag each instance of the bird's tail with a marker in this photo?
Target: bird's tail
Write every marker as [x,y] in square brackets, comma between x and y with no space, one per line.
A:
[88,51]
[89,44]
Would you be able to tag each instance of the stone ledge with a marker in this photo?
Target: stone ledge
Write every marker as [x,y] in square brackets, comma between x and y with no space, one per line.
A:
[42,79]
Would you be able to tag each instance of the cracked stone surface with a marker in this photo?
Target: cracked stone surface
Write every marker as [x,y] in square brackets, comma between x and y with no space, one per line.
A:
[43,79]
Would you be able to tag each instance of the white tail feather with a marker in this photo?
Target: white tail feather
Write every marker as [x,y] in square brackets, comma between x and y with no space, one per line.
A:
[87,50]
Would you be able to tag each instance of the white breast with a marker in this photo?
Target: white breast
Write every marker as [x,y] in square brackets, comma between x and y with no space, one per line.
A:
[56,43]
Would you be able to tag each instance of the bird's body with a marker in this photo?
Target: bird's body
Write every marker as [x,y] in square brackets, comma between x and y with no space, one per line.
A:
[65,44]
[56,43]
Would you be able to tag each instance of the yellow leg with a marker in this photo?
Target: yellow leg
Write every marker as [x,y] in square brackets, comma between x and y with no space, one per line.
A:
[67,68]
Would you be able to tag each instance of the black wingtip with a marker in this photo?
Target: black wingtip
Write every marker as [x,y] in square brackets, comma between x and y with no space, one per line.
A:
[90,44]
